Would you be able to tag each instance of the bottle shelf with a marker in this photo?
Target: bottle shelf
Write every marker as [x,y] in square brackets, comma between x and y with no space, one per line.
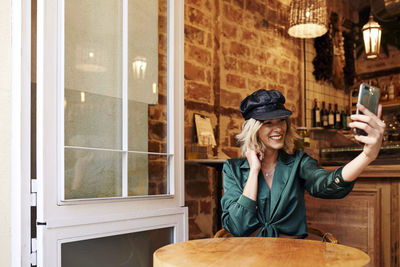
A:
[390,104]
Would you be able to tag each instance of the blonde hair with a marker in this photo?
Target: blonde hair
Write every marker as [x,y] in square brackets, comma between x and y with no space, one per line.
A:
[249,137]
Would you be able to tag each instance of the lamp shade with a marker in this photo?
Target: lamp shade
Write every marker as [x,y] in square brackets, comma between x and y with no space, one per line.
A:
[372,38]
[308,18]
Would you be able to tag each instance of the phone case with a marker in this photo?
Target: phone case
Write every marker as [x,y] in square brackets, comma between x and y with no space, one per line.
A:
[368,96]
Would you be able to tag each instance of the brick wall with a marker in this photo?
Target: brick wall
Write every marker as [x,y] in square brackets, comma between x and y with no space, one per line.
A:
[232,48]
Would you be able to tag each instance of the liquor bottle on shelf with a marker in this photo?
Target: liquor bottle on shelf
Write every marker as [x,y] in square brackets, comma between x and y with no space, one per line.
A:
[316,115]
[384,94]
[331,117]
[324,115]
[343,119]
[348,120]
[338,118]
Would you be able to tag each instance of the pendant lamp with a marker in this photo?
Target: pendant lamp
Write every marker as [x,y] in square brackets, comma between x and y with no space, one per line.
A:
[308,18]
[372,32]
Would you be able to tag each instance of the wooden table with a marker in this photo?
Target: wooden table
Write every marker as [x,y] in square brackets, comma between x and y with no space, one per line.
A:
[258,251]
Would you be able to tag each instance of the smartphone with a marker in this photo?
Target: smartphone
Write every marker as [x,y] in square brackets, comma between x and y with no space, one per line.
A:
[368,96]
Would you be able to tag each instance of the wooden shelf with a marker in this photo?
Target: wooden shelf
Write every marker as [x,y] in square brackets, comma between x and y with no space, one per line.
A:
[390,104]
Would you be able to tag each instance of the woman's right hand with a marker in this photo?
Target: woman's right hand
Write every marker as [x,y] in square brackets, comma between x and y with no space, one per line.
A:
[254,158]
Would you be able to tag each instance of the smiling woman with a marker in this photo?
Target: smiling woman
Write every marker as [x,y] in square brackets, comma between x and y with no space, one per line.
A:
[264,190]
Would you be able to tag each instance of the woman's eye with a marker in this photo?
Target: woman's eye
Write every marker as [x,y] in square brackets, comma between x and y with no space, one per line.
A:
[267,123]
[282,120]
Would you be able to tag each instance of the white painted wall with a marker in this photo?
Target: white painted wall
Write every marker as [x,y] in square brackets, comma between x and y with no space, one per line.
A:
[5,132]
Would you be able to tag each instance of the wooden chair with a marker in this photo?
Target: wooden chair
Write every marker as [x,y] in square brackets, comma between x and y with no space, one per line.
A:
[325,236]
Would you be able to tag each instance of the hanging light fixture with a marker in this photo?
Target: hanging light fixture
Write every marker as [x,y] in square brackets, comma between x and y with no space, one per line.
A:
[372,32]
[308,18]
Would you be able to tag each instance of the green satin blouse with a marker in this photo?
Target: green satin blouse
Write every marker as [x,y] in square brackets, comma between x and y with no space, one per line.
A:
[280,210]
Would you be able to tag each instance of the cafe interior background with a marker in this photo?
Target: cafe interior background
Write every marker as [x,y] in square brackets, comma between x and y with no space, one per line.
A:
[234,47]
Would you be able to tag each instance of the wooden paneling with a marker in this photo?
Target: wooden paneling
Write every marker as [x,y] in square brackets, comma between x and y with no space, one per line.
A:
[368,218]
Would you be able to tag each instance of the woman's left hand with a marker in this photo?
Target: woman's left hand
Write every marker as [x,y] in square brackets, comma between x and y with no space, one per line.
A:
[373,126]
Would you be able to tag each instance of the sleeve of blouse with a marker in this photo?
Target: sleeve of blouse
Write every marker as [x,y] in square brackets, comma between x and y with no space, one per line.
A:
[239,213]
[322,183]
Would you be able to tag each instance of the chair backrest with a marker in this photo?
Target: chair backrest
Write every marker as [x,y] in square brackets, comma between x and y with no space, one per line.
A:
[325,236]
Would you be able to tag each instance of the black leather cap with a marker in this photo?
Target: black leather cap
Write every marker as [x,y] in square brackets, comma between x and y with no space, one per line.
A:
[264,105]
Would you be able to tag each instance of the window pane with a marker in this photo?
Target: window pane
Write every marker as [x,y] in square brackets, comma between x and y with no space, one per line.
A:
[134,249]
[93,73]
[92,174]
[147,174]
[147,110]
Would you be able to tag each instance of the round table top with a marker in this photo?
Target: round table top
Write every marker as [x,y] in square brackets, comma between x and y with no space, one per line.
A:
[258,251]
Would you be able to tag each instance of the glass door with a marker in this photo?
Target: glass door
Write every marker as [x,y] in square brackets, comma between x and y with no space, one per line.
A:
[109,131]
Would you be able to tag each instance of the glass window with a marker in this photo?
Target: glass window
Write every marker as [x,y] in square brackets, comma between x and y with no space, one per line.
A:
[115,99]
[134,249]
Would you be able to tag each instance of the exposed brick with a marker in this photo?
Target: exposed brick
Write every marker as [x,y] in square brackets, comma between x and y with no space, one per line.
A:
[152,188]
[193,207]
[268,72]
[249,37]
[155,112]
[200,55]
[162,63]
[230,99]
[230,63]
[248,67]
[205,207]
[196,189]
[195,172]
[197,3]
[260,56]
[232,13]
[194,35]
[283,64]
[239,3]
[157,130]
[209,41]
[255,7]
[154,146]
[162,187]
[162,24]
[256,84]
[238,49]
[233,140]
[194,229]
[235,81]
[193,72]
[232,152]
[286,78]
[229,30]
[208,77]
[198,18]
[162,44]
[197,92]
[157,170]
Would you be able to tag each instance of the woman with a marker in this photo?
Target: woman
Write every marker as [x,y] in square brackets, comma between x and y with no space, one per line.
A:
[264,192]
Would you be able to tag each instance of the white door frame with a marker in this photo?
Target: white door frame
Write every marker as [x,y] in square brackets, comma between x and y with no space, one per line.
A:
[21,126]
[20,132]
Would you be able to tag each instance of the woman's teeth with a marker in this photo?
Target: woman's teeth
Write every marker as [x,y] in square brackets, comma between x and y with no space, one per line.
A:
[276,137]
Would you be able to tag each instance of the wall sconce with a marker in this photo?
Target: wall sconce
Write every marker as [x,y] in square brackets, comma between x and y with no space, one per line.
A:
[308,18]
[372,32]
[139,65]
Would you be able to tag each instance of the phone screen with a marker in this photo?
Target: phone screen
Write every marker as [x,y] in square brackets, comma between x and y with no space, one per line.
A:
[368,96]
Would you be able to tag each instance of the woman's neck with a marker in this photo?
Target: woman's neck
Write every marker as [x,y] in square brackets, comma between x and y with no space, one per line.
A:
[270,157]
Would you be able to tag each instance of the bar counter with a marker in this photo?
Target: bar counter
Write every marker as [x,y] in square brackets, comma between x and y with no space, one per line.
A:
[368,218]
[377,171]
